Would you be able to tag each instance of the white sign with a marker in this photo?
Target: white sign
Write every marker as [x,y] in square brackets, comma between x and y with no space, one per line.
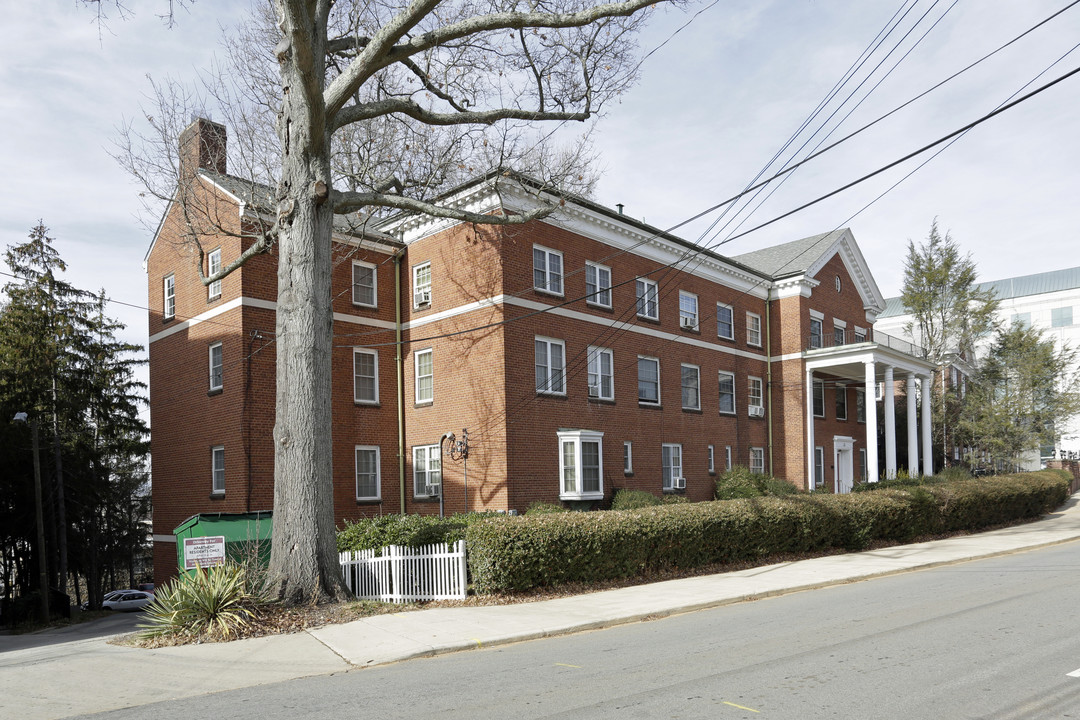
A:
[204,552]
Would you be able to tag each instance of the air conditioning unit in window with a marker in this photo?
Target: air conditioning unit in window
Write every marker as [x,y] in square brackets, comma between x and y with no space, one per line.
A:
[678,483]
[687,323]
[594,391]
[757,411]
[434,490]
[422,297]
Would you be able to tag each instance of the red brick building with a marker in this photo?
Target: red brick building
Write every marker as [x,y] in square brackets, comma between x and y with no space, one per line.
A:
[584,353]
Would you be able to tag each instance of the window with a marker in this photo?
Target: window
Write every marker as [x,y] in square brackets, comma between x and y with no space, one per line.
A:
[841,402]
[753,329]
[169,305]
[838,336]
[815,333]
[862,464]
[819,467]
[712,460]
[421,283]
[860,404]
[1061,317]
[691,387]
[597,285]
[425,376]
[581,465]
[216,368]
[725,326]
[648,380]
[367,473]
[550,361]
[547,270]
[213,265]
[217,470]
[628,458]
[601,384]
[363,284]
[646,299]
[366,376]
[819,398]
[727,457]
[671,465]
[757,460]
[1022,319]
[860,335]
[727,392]
[427,471]
[839,285]
[755,399]
[688,311]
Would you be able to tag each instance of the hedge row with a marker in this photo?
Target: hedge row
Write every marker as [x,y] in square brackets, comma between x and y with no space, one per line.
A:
[513,554]
[407,530]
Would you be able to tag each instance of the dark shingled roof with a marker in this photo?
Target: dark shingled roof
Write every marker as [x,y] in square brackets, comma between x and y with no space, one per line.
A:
[792,258]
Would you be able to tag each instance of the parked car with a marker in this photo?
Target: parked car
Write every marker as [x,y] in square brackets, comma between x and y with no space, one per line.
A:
[131,600]
[111,595]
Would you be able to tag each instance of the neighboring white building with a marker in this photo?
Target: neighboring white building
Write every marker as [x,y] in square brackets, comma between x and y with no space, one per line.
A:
[1049,301]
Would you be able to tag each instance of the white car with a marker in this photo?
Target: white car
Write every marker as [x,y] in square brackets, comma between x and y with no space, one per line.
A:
[127,600]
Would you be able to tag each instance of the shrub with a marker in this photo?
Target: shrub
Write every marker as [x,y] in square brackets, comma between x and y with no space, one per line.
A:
[407,530]
[215,602]
[954,472]
[545,508]
[739,482]
[626,499]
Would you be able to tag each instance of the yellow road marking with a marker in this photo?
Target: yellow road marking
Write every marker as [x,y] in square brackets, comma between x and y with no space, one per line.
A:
[565,665]
[478,643]
[741,707]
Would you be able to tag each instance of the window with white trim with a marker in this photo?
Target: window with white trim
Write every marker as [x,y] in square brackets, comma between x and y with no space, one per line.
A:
[727,392]
[597,284]
[727,457]
[547,270]
[671,464]
[365,376]
[815,333]
[648,380]
[819,398]
[755,397]
[647,303]
[628,457]
[860,404]
[712,460]
[862,464]
[427,470]
[819,467]
[213,265]
[169,297]
[688,310]
[217,368]
[421,283]
[425,376]
[601,382]
[841,401]
[1061,317]
[860,334]
[725,321]
[581,465]
[550,365]
[753,329]
[691,387]
[757,460]
[363,284]
[368,482]
[839,336]
[217,470]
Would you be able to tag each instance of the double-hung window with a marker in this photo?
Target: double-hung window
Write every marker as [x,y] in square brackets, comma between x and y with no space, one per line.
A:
[217,470]
[819,467]
[647,299]
[839,333]
[581,465]
[860,404]
[712,460]
[815,333]
[365,376]
[367,473]
[550,365]
[628,458]
[753,329]
[597,285]
[755,399]
[727,457]
[727,392]
[841,402]
[757,460]
[169,310]
[860,335]
[217,368]
[427,471]
[819,398]
[688,311]
[363,284]
[213,265]
[648,380]
[671,465]
[601,384]
[691,387]
[725,323]
[547,270]
[421,282]
[425,376]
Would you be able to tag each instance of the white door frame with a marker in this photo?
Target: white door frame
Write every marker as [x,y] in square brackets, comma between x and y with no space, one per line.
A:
[843,463]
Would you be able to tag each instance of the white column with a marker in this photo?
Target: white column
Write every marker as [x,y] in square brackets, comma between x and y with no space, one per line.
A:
[870,393]
[890,423]
[810,429]
[912,428]
[928,450]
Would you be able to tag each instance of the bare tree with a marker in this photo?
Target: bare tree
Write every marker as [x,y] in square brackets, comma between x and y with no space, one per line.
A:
[376,107]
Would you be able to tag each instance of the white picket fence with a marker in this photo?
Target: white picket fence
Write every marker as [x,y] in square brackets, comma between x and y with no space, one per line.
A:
[404,574]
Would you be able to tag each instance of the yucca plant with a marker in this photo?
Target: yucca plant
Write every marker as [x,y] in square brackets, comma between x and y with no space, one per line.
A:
[215,602]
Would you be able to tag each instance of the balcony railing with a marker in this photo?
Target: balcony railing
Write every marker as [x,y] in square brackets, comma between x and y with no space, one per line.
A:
[817,342]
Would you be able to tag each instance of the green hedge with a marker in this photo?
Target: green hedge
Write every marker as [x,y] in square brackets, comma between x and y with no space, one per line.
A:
[513,554]
[408,530]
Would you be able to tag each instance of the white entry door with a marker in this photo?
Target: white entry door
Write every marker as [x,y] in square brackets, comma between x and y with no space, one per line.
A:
[844,464]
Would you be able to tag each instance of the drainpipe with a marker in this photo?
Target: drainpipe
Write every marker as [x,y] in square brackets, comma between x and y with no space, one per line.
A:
[768,376]
[398,360]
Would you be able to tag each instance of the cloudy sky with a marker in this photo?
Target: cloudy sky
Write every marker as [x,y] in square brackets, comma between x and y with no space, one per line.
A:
[716,101]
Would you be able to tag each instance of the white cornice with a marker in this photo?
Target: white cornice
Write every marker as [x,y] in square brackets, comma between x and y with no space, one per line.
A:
[856,266]
[795,286]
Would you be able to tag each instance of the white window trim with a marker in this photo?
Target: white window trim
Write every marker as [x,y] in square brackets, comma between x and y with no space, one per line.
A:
[595,299]
[577,437]
[757,452]
[548,274]
[820,325]
[731,321]
[374,284]
[213,265]
[218,451]
[430,452]
[378,472]
[416,376]
[817,384]
[595,353]
[757,317]
[761,392]
[628,457]
[641,300]
[356,395]
[712,460]
[697,371]
[548,385]
[666,483]
[727,457]
[817,315]
[417,286]
[859,331]
[221,370]
[168,291]
[649,403]
[734,393]
[696,318]
[819,467]
[837,323]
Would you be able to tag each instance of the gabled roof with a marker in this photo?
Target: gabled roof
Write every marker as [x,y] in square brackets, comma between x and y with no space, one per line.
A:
[791,258]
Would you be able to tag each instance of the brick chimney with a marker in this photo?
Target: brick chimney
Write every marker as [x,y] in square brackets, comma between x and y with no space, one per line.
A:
[202,146]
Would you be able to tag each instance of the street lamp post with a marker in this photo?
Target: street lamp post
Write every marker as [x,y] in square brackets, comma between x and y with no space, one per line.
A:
[43,571]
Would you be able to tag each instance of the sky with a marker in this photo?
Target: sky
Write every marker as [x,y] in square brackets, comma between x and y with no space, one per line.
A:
[722,89]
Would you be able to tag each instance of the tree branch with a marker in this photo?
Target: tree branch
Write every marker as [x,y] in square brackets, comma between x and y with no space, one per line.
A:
[367,111]
[351,202]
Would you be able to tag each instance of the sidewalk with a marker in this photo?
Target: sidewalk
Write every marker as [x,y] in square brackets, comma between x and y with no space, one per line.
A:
[91,676]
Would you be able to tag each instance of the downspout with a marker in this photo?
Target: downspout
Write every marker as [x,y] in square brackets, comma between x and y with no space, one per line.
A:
[398,360]
[768,376]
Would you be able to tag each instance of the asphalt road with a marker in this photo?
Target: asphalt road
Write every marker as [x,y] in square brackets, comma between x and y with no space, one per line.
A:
[120,623]
[987,639]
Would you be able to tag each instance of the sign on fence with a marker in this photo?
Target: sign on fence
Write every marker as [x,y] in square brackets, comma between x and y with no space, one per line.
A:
[204,552]
[404,574]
